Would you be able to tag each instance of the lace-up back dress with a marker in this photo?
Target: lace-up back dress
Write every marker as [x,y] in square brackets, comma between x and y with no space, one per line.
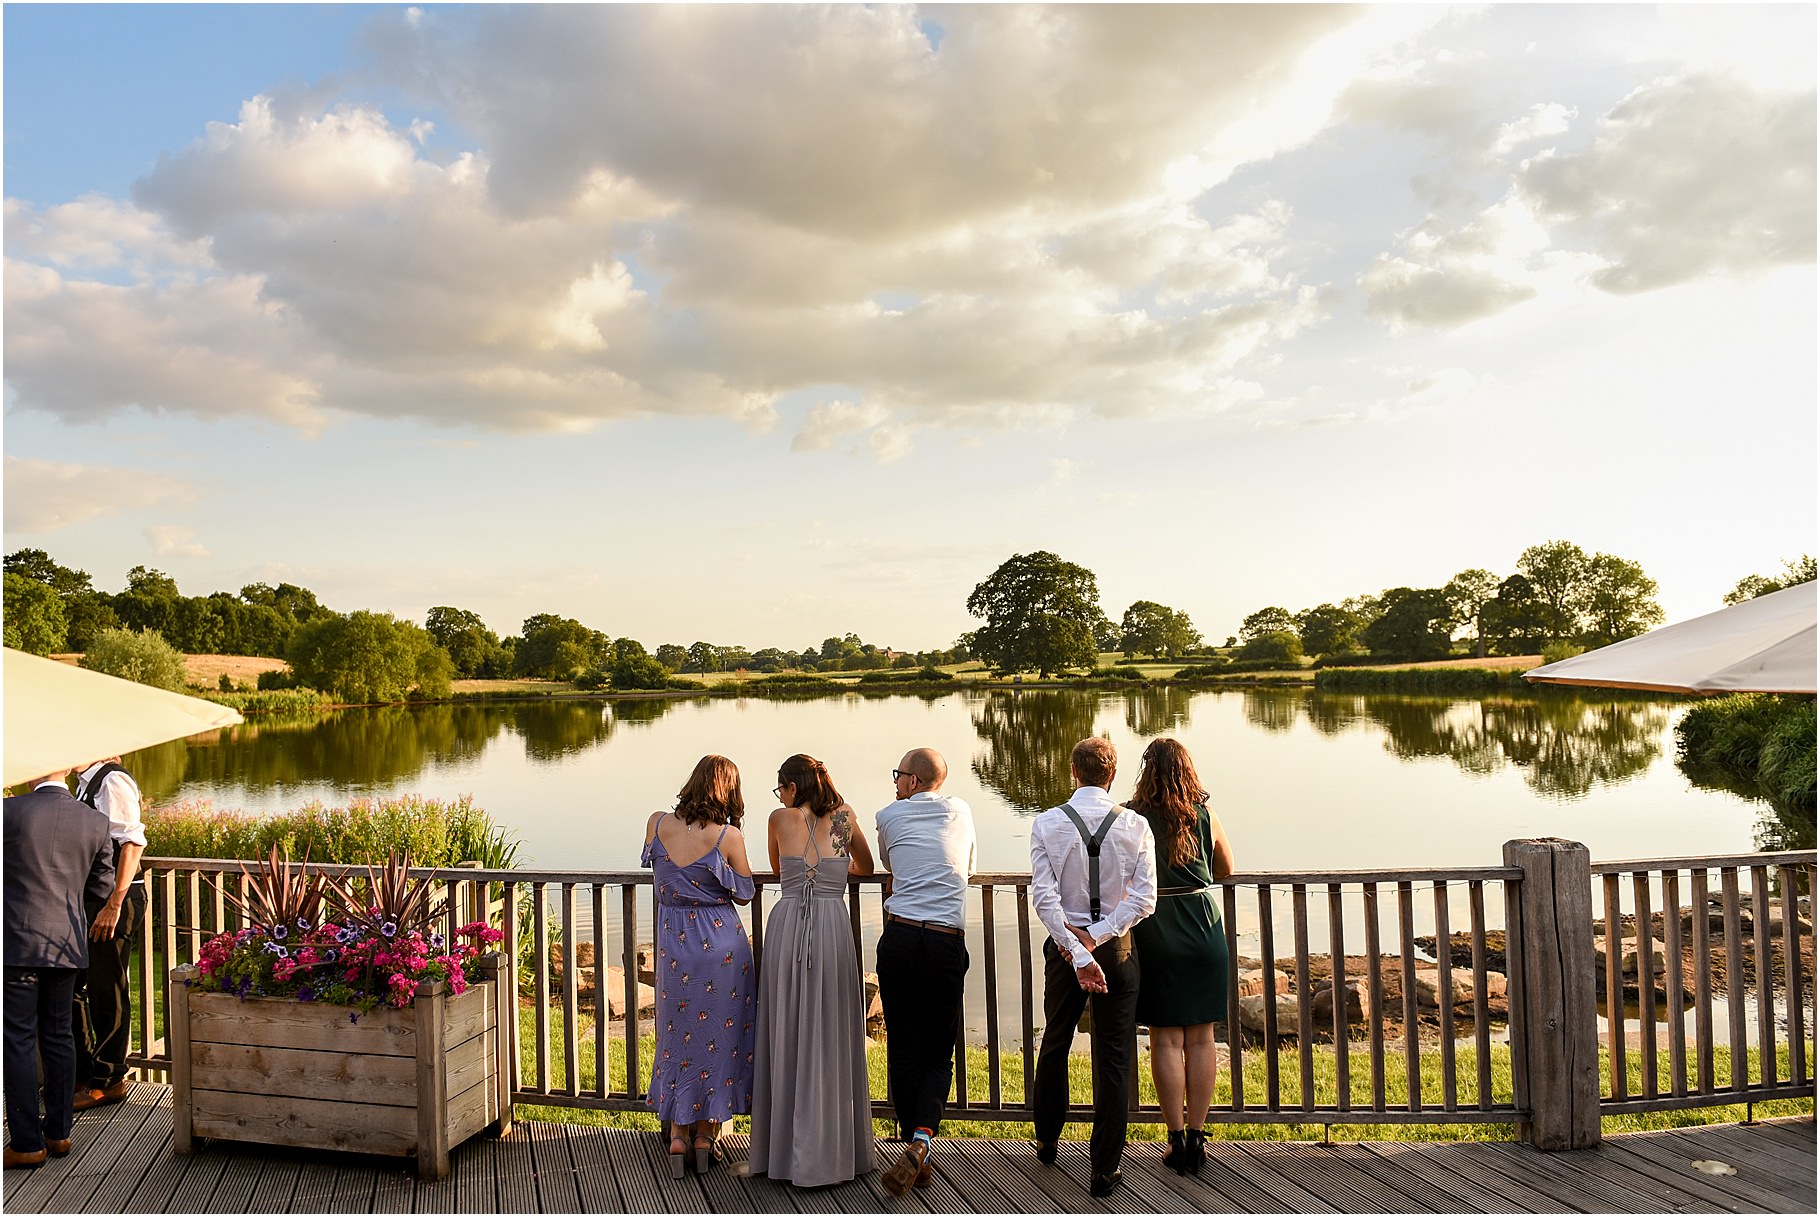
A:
[811,1101]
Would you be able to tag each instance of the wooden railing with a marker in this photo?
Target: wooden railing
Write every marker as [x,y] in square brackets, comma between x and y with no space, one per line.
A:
[1389,939]
[1705,969]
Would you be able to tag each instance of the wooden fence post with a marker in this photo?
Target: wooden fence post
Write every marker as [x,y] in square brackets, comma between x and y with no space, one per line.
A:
[177,1036]
[1559,1003]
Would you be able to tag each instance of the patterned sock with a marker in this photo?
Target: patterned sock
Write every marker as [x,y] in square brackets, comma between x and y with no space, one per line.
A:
[926,1136]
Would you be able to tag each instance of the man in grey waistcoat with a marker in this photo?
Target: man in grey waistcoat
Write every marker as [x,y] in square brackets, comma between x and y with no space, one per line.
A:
[59,860]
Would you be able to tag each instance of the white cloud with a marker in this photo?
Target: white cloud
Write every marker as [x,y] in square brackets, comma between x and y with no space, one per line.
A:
[42,495]
[1063,470]
[827,423]
[1684,178]
[1543,120]
[172,540]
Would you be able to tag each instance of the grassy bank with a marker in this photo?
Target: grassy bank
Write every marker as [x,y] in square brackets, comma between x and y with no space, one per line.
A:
[434,832]
[1080,1081]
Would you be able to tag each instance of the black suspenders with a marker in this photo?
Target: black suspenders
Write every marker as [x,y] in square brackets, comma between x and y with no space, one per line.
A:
[1093,840]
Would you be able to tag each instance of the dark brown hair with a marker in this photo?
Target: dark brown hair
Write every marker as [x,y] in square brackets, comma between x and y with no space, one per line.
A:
[711,795]
[1168,791]
[814,788]
[1094,760]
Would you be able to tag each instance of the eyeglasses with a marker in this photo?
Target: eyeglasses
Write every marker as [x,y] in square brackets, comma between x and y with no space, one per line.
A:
[777,792]
[898,775]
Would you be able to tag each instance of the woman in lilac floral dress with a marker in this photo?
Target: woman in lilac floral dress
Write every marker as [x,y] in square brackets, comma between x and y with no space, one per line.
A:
[706,990]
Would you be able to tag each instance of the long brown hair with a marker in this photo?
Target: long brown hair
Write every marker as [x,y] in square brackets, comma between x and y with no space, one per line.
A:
[1168,791]
[814,788]
[711,795]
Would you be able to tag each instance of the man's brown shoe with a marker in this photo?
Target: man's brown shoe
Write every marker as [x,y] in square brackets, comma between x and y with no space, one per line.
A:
[901,1175]
[59,1149]
[87,1098]
[26,1158]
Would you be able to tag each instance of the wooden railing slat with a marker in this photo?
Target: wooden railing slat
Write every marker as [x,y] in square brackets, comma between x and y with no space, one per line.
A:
[1375,985]
[1481,999]
[1703,979]
[1734,979]
[1646,981]
[1614,991]
[1267,953]
[1412,1049]
[1444,998]
[1791,952]
[1303,999]
[989,945]
[1235,1037]
[571,994]
[1766,1005]
[1674,953]
[1342,1029]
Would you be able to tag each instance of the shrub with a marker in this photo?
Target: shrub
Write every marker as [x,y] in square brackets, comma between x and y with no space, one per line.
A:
[1756,744]
[1280,647]
[902,676]
[138,655]
[1555,652]
[1122,672]
[640,672]
[272,701]
[277,678]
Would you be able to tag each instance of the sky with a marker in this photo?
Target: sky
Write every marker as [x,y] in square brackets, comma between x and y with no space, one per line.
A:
[758,324]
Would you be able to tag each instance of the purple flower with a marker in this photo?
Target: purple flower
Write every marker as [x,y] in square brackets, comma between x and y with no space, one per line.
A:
[306,995]
[389,928]
[279,929]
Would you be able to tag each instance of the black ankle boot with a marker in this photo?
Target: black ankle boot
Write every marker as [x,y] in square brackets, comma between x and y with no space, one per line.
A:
[1177,1157]
[1195,1150]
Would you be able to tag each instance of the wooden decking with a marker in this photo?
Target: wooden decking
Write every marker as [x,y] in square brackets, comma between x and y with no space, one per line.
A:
[123,1164]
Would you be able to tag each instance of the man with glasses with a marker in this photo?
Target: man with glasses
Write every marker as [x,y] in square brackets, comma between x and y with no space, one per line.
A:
[925,839]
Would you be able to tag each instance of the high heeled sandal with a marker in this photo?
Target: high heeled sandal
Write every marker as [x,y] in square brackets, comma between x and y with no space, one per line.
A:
[704,1153]
[679,1154]
[1176,1159]
[1196,1149]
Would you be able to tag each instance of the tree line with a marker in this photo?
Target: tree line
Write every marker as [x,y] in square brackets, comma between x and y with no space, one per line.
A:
[1042,613]
[372,656]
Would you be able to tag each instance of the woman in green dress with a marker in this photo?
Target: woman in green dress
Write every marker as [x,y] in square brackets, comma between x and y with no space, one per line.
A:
[1181,947]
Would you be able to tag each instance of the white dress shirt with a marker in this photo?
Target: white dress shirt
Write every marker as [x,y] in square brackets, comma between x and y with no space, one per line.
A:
[1058,872]
[119,800]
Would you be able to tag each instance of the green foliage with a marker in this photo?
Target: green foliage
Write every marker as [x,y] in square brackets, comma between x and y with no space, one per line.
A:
[1329,629]
[34,616]
[1418,680]
[1796,571]
[1272,620]
[434,832]
[1467,595]
[272,701]
[1759,745]
[640,671]
[1154,629]
[919,676]
[1276,647]
[558,648]
[139,655]
[1414,624]
[1555,570]
[474,650]
[1515,620]
[1041,613]
[367,658]
[1618,601]
[1555,652]
[1122,672]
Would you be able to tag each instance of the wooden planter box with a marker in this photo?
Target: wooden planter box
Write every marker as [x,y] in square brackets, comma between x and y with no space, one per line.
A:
[405,1082]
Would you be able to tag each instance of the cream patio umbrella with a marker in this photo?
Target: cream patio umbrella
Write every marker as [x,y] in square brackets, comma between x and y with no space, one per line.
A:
[1765,645]
[59,716]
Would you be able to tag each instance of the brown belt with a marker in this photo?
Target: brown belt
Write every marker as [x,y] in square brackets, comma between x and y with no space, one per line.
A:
[937,926]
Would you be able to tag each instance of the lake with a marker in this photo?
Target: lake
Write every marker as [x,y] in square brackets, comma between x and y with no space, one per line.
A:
[1302,780]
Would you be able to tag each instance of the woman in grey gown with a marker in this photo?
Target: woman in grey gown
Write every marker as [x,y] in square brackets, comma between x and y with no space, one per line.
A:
[811,1099]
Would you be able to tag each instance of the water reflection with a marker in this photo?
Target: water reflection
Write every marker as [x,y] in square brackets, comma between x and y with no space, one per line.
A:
[377,749]
[1565,746]
[1027,737]
[1153,712]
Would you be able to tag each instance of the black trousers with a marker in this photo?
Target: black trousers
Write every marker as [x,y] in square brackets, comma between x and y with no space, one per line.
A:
[922,976]
[38,1025]
[1114,1047]
[104,1000]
